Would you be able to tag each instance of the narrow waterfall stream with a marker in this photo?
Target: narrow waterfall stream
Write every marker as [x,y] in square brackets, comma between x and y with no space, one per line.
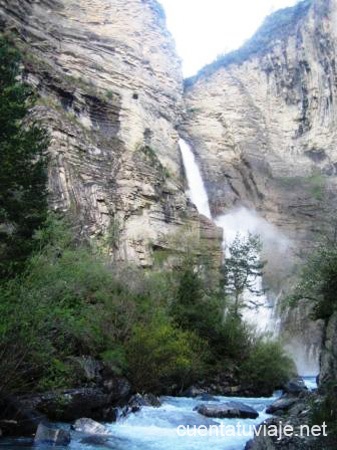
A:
[197,190]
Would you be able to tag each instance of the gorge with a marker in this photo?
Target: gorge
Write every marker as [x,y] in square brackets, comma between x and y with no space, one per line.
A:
[143,162]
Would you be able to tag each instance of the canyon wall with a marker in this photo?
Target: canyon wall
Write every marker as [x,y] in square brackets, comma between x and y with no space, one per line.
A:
[263,120]
[263,124]
[110,92]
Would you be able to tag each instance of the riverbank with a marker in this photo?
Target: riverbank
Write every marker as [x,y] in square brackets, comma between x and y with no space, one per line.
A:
[173,423]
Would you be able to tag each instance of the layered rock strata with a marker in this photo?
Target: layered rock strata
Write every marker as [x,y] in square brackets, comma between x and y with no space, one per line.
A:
[110,89]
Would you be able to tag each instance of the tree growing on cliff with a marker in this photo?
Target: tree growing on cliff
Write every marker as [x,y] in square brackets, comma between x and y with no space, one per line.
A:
[318,280]
[241,270]
[23,178]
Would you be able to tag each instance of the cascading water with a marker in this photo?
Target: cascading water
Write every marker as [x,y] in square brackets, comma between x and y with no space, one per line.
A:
[263,317]
[157,429]
[196,185]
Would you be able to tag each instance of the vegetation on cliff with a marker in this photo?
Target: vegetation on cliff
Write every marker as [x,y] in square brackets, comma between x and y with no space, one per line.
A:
[163,328]
[23,177]
[318,280]
[318,286]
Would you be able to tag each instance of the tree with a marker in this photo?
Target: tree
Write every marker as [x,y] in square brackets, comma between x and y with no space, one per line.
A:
[241,270]
[23,177]
[318,280]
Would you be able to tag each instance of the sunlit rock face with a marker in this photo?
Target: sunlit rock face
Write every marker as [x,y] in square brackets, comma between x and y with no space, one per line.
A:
[263,122]
[111,94]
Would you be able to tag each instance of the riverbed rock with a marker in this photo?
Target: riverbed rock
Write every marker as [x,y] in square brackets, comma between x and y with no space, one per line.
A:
[295,386]
[281,405]
[51,435]
[18,419]
[227,410]
[89,426]
[193,391]
[137,401]
[69,405]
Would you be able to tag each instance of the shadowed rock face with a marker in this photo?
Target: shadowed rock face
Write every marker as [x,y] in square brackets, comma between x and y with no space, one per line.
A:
[111,93]
[263,124]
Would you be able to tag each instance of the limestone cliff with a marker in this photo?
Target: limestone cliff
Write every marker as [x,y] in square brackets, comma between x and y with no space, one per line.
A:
[263,123]
[110,88]
[263,119]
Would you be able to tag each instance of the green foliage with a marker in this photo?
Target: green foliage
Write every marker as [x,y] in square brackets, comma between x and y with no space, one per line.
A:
[161,356]
[23,178]
[267,366]
[318,281]
[324,409]
[241,268]
[163,329]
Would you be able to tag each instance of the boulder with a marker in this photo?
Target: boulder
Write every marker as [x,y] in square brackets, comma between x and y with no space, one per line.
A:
[136,403]
[18,419]
[119,388]
[295,386]
[192,392]
[69,405]
[51,435]
[89,426]
[227,410]
[281,405]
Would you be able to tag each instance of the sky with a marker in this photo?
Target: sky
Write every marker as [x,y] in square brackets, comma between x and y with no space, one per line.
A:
[204,29]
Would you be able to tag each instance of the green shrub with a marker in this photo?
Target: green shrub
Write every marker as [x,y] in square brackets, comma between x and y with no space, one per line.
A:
[160,357]
[267,366]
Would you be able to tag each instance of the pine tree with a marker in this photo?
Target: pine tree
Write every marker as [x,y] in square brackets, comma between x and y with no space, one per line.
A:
[23,175]
[241,269]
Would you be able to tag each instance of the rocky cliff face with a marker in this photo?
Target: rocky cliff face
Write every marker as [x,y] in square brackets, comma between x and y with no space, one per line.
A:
[110,88]
[262,121]
[328,373]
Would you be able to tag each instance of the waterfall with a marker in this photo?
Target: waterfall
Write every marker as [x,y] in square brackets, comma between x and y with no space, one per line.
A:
[263,317]
[197,191]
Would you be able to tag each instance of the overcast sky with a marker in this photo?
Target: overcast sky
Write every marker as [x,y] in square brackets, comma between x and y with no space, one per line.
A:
[203,29]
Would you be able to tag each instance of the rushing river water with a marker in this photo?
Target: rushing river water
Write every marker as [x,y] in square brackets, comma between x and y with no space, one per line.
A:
[157,428]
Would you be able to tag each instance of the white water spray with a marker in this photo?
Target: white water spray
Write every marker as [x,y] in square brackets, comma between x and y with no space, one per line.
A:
[243,221]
